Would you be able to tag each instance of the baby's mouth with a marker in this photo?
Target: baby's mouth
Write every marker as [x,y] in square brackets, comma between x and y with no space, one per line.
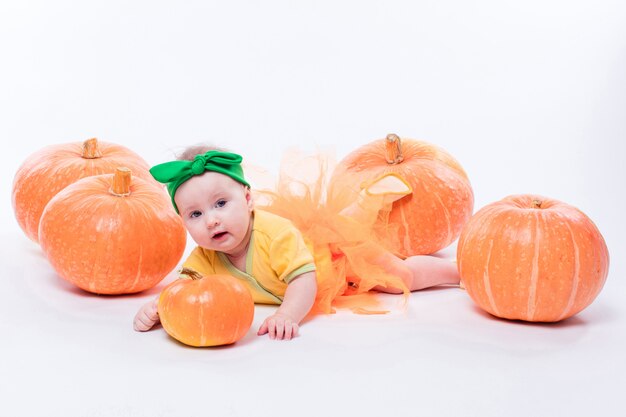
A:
[219,235]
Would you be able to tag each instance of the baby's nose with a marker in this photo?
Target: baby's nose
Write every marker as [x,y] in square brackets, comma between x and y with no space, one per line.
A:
[212,222]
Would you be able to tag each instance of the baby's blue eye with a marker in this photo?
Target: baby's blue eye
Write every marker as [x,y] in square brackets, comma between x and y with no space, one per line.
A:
[220,203]
[194,214]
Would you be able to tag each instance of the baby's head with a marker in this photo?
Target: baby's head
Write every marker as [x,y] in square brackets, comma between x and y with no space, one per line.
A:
[211,195]
[194,162]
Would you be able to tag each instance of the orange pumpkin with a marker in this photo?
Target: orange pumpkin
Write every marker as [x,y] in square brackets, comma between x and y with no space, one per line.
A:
[206,311]
[53,168]
[441,202]
[110,234]
[532,258]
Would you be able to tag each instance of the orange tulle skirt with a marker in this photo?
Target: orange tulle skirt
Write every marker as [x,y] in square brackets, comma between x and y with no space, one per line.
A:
[342,233]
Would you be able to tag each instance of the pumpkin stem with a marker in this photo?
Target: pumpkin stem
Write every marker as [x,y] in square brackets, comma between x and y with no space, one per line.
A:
[393,149]
[121,182]
[537,203]
[191,273]
[91,150]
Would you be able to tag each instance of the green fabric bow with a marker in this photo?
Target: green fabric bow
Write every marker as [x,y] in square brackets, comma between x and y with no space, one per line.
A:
[175,173]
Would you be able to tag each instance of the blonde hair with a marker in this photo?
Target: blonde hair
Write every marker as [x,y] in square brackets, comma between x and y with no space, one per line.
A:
[191,151]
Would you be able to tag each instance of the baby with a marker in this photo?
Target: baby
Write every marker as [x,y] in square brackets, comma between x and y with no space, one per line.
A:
[265,251]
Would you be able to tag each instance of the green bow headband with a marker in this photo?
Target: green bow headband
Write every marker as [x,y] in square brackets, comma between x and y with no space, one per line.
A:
[175,173]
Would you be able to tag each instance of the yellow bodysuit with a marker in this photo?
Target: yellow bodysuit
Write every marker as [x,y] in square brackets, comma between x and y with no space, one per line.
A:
[277,254]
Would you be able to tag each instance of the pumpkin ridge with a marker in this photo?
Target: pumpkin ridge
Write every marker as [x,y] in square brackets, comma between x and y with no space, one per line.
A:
[102,254]
[493,284]
[576,275]
[404,224]
[139,264]
[534,274]
[446,214]
[487,279]
[201,331]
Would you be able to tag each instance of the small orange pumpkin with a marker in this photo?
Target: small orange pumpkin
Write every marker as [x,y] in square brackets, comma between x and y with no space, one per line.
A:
[206,311]
[532,258]
[107,235]
[441,202]
[51,169]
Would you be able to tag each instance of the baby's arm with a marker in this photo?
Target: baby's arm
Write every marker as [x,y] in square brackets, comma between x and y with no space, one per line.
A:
[147,316]
[297,302]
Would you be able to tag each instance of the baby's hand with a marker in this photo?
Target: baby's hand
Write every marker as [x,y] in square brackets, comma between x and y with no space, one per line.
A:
[279,327]
[147,316]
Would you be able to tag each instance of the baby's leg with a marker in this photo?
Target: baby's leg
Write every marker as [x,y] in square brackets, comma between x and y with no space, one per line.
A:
[430,271]
[426,271]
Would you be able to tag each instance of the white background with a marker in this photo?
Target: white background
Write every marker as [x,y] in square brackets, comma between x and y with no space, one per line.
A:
[529,96]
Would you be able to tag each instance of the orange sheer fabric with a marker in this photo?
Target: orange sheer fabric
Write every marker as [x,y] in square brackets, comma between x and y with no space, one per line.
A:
[342,234]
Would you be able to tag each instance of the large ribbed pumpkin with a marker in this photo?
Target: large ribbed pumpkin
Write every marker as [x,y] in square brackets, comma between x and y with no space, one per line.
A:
[206,311]
[51,169]
[441,202]
[112,234]
[532,258]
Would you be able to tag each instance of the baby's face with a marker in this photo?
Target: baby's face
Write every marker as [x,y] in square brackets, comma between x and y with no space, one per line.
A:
[216,211]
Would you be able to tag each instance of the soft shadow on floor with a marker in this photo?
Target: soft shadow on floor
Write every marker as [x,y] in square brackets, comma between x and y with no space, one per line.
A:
[580,319]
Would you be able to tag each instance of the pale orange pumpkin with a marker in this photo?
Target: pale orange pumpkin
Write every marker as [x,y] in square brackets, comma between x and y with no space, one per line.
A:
[110,234]
[441,201]
[532,258]
[206,311]
[51,169]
